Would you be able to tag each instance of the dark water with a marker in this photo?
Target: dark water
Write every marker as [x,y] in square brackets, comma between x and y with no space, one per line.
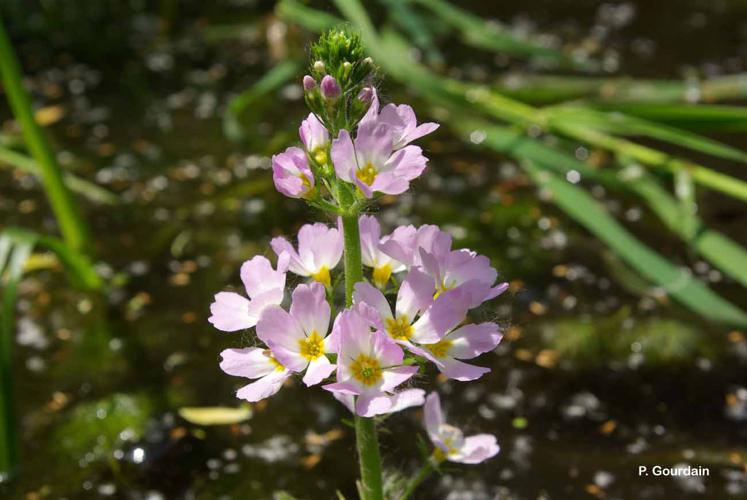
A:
[593,379]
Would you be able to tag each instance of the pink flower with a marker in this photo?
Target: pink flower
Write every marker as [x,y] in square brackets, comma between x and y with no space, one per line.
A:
[298,339]
[264,286]
[291,173]
[405,243]
[400,119]
[319,251]
[449,441]
[372,255]
[466,270]
[315,138]
[372,164]
[429,248]
[369,365]
[414,297]
[254,363]
[330,88]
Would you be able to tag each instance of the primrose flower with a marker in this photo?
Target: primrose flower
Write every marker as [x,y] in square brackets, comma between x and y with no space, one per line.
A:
[414,297]
[315,138]
[449,441]
[371,163]
[298,339]
[319,251]
[400,119]
[264,285]
[369,365]
[405,243]
[291,173]
[463,269]
[372,256]
[255,363]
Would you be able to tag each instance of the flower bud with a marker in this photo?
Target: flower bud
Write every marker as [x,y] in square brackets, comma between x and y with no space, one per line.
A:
[308,83]
[319,66]
[368,61]
[366,95]
[330,88]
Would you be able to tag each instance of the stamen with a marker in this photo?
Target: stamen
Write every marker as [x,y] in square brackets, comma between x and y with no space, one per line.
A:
[440,349]
[367,174]
[400,328]
[312,347]
[322,276]
[382,274]
[366,370]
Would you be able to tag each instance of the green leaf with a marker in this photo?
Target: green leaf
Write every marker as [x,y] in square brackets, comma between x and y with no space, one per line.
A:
[215,415]
[621,124]
[675,281]
[722,252]
[701,117]
[313,19]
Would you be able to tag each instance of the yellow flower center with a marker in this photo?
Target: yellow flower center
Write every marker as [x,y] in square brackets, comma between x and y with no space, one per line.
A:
[441,288]
[366,370]
[312,346]
[320,156]
[399,329]
[367,174]
[440,349]
[439,455]
[322,276]
[305,181]
[382,274]
[277,364]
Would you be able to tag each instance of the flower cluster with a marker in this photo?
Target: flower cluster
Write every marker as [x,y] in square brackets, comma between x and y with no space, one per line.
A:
[408,311]
[371,341]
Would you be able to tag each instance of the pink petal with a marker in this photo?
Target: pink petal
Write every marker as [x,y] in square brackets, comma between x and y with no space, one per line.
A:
[310,309]
[396,376]
[472,340]
[372,296]
[415,294]
[464,372]
[230,312]
[259,277]
[264,387]
[281,246]
[250,362]
[318,370]
[476,449]
[434,417]
[343,156]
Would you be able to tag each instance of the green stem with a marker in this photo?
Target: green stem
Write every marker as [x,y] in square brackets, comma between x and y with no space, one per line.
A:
[422,474]
[72,226]
[367,441]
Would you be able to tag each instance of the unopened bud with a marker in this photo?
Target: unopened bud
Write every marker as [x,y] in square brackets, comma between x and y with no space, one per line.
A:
[368,61]
[365,95]
[319,66]
[308,83]
[330,88]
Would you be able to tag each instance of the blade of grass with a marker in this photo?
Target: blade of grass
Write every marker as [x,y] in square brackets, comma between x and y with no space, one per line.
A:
[478,33]
[724,253]
[66,211]
[248,101]
[81,186]
[549,89]
[14,251]
[706,118]
[313,19]
[676,282]
[416,27]
[621,124]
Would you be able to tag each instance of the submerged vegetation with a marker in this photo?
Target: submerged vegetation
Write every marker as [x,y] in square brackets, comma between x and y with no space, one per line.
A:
[603,174]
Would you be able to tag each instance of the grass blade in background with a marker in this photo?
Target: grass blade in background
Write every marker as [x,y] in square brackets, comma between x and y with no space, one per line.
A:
[621,124]
[14,251]
[706,118]
[550,89]
[81,186]
[478,33]
[66,211]
[724,253]
[676,282]
[243,106]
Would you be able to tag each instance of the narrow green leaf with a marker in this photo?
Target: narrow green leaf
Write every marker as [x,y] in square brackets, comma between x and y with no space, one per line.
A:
[313,19]
[675,281]
[242,107]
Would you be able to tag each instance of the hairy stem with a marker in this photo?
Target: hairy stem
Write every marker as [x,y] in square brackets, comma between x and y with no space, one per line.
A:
[367,441]
[422,474]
